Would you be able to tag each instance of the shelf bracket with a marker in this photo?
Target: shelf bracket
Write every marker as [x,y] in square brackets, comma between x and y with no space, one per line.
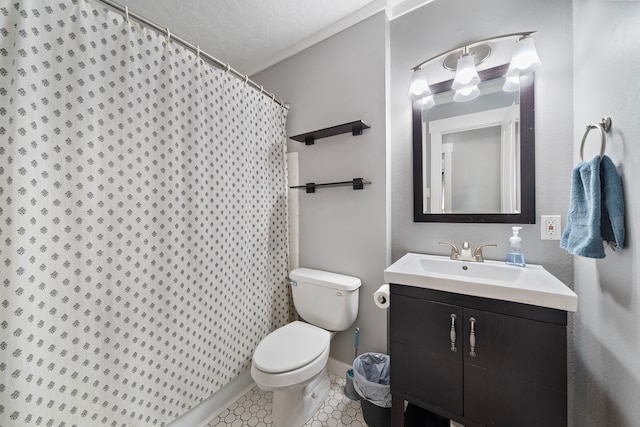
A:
[310,187]
[356,129]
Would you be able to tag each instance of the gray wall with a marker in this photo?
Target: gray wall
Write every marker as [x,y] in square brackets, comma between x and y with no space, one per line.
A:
[343,79]
[339,80]
[607,332]
[443,25]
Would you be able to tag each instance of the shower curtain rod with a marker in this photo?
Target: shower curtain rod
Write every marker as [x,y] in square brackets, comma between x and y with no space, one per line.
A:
[196,49]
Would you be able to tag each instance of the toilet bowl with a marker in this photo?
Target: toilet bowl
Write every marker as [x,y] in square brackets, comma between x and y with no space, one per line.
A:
[290,356]
[292,360]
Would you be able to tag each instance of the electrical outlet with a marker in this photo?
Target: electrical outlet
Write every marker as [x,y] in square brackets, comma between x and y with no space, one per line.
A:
[550,227]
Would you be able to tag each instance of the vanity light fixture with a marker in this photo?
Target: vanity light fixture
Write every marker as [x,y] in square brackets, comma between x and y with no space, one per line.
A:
[428,101]
[511,84]
[464,60]
[466,94]
[420,89]
[525,58]
[466,80]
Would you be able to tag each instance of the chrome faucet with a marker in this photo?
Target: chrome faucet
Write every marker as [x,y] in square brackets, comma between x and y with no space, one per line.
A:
[465,254]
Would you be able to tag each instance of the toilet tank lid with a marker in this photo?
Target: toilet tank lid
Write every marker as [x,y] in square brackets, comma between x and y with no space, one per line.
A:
[325,278]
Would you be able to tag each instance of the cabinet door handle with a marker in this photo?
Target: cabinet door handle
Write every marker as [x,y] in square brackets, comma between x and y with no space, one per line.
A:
[472,337]
[452,333]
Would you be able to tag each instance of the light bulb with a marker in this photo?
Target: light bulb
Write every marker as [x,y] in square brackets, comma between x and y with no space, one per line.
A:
[466,94]
[511,84]
[466,73]
[428,102]
[525,58]
[419,85]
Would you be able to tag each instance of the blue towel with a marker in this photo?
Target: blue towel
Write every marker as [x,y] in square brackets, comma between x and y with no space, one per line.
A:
[612,221]
[596,209]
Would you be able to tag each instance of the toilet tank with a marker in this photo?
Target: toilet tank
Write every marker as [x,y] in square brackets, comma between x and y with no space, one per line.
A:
[327,300]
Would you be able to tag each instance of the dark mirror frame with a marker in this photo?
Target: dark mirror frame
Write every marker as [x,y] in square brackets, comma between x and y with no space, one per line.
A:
[527,158]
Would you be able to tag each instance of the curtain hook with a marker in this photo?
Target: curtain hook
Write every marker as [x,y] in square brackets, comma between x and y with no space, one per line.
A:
[126,13]
[246,79]
[198,51]
[168,35]
[261,90]
[228,68]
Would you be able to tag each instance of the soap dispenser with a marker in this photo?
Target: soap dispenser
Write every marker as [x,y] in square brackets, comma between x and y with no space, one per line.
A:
[515,256]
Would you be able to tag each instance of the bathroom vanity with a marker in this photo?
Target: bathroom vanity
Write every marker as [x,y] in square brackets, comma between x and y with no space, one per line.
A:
[478,344]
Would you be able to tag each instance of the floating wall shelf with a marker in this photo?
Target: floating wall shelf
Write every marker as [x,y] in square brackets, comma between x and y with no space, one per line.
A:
[354,127]
[357,183]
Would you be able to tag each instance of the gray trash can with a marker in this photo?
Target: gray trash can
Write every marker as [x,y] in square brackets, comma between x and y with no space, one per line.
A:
[371,382]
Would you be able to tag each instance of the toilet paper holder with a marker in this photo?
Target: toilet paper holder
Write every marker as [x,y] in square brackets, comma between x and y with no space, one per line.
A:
[381,297]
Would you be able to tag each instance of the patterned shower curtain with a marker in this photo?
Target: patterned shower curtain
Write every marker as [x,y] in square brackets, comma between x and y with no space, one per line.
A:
[143,220]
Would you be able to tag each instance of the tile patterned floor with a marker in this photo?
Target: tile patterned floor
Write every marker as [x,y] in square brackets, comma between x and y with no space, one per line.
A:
[254,409]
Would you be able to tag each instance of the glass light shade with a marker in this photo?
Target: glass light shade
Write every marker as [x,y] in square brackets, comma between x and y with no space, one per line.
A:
[419,86]
[466,73]
[524,59]
[511,84]
[428,102]
[466,94]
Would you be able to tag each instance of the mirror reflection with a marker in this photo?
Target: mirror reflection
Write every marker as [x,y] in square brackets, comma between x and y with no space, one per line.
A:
[472,153]
[473,161]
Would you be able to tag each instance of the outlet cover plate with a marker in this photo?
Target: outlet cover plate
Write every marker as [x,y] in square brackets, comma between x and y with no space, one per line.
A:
[550,227]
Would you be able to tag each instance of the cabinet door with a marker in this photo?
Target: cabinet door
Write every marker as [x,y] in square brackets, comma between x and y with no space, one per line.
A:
[426,368]
[517,375]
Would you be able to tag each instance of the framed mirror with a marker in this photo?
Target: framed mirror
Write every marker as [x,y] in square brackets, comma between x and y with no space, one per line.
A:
[474,161]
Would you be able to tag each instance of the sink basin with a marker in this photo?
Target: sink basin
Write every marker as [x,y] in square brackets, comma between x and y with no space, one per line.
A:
[473,271]
[490,279]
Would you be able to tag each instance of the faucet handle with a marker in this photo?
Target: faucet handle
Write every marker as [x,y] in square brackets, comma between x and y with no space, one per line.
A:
[455,253]
[477,254]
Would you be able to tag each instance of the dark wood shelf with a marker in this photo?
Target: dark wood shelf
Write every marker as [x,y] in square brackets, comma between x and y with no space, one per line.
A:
[354,127]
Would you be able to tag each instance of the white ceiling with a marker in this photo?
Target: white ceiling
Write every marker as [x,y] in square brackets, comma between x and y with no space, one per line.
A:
[251,35]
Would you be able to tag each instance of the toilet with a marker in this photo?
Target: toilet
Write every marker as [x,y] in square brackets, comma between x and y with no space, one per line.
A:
[292,360]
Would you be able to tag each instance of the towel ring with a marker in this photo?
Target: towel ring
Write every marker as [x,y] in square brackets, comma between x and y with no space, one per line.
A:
[604,127]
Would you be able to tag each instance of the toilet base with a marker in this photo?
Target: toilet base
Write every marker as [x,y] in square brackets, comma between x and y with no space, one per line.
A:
[293,407]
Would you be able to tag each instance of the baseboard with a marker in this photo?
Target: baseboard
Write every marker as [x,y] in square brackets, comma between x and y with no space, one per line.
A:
[216,403]
[224,405]
[337,367]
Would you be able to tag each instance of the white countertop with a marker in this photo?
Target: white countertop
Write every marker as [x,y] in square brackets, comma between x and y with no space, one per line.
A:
[491,279]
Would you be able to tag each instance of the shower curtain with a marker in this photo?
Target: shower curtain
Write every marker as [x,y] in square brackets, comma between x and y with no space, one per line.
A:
[143,220]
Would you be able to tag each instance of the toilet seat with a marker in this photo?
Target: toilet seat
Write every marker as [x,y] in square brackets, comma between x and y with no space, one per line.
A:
[290,347]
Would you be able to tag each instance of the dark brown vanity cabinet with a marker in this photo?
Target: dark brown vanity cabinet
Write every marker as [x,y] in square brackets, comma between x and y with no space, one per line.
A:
[478,361]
